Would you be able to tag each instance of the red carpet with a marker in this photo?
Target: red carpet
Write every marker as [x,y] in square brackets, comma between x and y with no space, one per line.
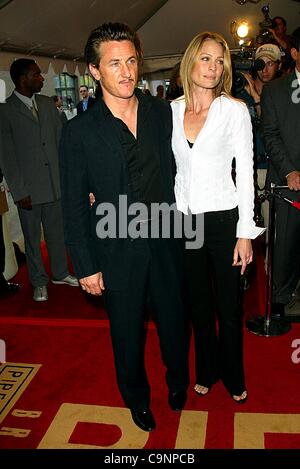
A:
[64,302]
[71,400]
[75,386]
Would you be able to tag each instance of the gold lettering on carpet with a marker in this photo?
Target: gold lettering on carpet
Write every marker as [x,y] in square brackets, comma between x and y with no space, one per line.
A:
[68,415]
[250,429]
[16,432]
[32,414]
[14,379]
[192,430]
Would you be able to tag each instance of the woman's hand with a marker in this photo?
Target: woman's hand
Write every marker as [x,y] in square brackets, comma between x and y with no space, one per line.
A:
[243,253]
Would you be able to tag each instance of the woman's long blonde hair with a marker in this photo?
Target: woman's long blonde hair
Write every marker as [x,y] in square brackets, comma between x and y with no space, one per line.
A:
[188,62]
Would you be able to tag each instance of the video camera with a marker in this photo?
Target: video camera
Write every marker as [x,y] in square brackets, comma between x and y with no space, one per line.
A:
[265,35]
[244,61]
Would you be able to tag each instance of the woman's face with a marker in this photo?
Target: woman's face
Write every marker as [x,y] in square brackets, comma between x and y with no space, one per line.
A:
[209,65]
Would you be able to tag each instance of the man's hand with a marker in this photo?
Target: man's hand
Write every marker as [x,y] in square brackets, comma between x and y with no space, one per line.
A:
[25,203]
[93,284]
[243,251]
[92,199]
[293,180]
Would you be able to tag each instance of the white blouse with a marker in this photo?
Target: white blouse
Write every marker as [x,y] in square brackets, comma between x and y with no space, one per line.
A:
[203,181]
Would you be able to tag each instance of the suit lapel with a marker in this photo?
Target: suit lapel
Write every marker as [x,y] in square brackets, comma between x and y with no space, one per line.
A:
[104,130]
[21,107]
[291,77]
[292,84]
[144,109]
[289,105]
[43,115]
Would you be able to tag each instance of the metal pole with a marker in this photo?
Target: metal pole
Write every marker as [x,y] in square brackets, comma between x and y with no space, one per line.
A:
[268,326]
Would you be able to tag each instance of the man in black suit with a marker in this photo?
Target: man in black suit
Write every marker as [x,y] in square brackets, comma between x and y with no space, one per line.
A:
[281,131]
[59,106]
[121,152]
[86,100]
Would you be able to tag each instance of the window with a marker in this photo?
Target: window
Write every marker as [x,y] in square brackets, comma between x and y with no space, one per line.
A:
[66,87]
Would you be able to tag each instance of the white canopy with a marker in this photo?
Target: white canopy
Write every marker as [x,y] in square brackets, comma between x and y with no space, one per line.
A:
[56,31]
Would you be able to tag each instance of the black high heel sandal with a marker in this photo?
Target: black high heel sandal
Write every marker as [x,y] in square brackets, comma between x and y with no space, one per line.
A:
[202,394]
[242,400]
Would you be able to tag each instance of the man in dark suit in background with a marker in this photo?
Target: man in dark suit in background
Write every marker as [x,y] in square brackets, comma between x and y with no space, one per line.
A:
[281,131]
[86,100]
[30,128]
[122,147]
[59,106]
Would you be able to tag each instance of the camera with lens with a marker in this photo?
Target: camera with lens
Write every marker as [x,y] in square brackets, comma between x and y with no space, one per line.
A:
[244,61]
[264,34]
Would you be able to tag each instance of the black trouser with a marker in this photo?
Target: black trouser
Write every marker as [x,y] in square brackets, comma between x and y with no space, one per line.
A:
[155,274]
[286,250]
[217,355]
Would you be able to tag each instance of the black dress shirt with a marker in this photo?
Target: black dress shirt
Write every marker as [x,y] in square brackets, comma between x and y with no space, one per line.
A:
[141,156]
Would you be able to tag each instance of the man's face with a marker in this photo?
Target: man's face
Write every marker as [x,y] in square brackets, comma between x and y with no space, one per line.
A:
[269,71]
[59,102]
[280,27]
[83,92]
[118,69]
[33,80]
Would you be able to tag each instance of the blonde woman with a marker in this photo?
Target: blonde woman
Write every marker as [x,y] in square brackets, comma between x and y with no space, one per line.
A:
[210,129]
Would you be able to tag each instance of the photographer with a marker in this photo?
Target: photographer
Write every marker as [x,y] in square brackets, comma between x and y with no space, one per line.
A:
[278,31]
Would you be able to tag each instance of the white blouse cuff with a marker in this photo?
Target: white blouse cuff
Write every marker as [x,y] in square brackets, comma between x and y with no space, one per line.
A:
[249,231]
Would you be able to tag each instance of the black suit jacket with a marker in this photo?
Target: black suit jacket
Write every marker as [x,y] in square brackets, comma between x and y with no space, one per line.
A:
[92,160]
[281,127]
[80,107]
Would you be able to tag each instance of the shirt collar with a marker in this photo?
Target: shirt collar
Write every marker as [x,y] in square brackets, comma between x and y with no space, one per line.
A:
[27,101]
[144,103]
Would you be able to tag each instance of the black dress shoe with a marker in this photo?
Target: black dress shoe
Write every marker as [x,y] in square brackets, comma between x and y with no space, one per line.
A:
[144,419]
[9,287]
[177,400]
